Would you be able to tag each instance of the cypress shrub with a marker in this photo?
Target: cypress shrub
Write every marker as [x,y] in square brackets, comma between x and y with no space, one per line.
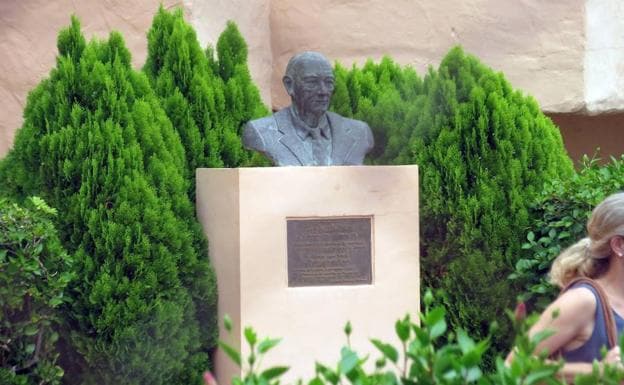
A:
[484,152]
[207,98]
[386,96]
[242,98]
[483,160]
[97,146]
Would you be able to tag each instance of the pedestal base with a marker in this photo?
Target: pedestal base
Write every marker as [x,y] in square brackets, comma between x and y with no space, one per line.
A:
[245,213]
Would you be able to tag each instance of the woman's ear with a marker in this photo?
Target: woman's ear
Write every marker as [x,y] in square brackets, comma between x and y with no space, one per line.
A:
[617,245]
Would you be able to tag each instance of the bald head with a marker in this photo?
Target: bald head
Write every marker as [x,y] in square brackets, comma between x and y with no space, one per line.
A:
[297,62]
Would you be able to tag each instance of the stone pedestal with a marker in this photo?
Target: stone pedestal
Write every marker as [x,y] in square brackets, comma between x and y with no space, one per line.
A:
[253,220]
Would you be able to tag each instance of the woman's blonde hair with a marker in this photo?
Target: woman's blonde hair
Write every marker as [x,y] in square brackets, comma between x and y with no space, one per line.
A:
[590,256]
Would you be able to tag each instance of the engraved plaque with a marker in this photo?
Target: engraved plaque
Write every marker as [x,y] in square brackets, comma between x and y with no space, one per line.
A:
[329,251]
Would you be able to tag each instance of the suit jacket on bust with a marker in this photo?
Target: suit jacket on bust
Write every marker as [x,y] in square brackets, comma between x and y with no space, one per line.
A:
[275,137]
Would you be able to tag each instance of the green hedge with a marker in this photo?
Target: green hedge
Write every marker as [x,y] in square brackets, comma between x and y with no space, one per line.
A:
[484,151]
[114,150]
[98,146]
[428,353]
[560,215]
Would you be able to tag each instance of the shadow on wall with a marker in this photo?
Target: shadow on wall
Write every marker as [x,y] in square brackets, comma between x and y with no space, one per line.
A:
[584,134]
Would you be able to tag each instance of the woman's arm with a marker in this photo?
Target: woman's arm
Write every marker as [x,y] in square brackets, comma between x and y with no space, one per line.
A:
[571,318]
[570,370]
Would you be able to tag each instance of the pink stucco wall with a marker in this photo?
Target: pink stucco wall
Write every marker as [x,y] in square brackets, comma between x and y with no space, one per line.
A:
[28,31]
[538,45]
[553,50]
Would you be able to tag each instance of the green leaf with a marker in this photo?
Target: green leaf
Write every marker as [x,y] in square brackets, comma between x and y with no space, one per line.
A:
[250,336]
[434,316]
[316,381]
[387,350]
[563,234]
[473,374]
[466,343]
[434,321]
[29,349]
[541,336]
[31,330]
[422,336]
[231,352]
[56,301]
[438,329]
[267,344]
[227,323]
[348,361]
[538,375]
[329,374]
[274,372]
[403,329]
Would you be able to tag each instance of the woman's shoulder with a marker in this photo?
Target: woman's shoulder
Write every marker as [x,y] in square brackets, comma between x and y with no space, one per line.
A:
[578,301]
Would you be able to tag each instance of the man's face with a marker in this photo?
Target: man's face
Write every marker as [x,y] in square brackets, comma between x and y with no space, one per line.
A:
[312,86]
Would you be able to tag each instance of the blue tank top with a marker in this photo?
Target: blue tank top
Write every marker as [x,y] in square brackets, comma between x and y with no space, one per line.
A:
[590,350]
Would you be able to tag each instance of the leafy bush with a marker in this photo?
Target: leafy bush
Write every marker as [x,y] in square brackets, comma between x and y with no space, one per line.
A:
[97,146]
[484,152]
[34,272]
[424,358]
[561,212]
[207,98]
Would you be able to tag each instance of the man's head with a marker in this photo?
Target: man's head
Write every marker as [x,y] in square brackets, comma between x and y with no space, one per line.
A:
[309,80]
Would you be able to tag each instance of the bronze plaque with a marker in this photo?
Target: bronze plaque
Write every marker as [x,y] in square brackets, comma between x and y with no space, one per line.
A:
[329,251]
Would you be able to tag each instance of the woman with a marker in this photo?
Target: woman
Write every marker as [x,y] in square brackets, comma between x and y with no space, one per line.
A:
[579,328]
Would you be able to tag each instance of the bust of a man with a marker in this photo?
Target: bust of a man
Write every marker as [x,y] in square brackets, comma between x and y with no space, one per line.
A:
[305,133]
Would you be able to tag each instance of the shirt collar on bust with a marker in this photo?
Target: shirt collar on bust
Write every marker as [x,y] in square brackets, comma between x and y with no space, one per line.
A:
[303,130]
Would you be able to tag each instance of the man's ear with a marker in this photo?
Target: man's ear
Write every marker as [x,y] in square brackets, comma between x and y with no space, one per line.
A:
[289,85]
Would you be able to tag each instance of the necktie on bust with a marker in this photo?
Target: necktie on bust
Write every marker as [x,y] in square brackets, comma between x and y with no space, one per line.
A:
[315,132]
[316,139]
[319,147]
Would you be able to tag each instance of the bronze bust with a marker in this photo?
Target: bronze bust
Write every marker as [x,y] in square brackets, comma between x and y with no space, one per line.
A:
[305,133]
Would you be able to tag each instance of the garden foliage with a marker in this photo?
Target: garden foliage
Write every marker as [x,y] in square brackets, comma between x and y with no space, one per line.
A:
[560,215]
[484,152]
[207,98]
[96,144]
[114,150]
[34,272]
[424,357]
